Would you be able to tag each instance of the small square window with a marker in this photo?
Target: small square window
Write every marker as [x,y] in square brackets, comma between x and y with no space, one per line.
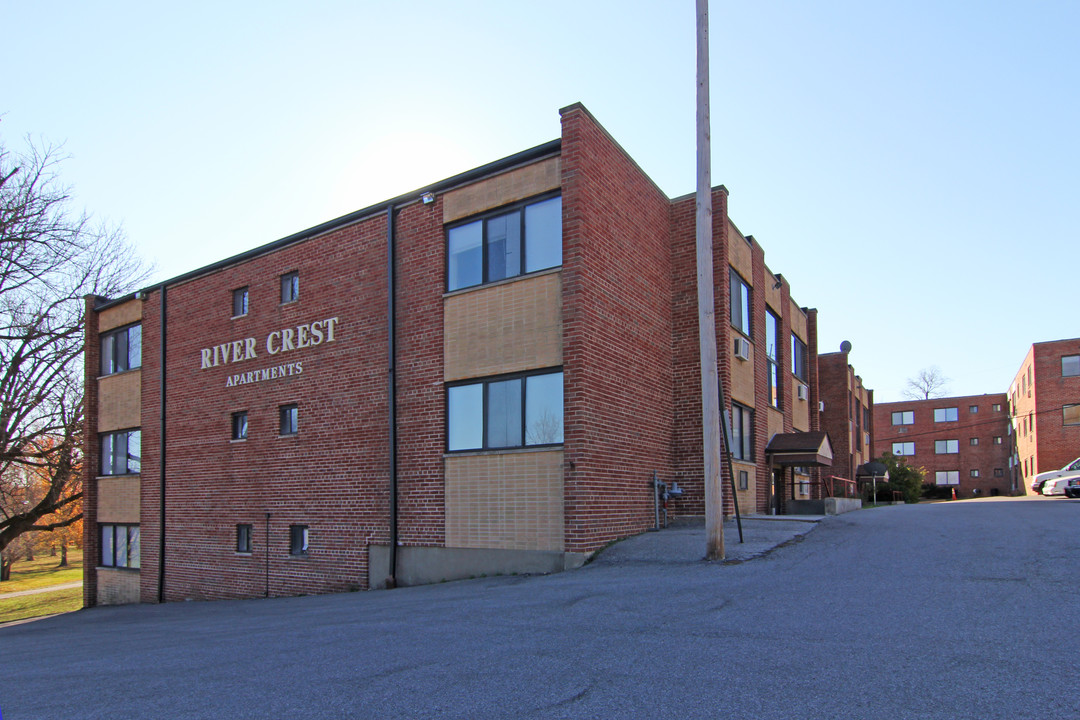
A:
[996,407]
[998,472]
[974,473]
[289,416]
[997,439]
[239,425]
[240,302]
[298,539]
[973,409]
[974,441]
[1070,365]
[290,287]
[243,538]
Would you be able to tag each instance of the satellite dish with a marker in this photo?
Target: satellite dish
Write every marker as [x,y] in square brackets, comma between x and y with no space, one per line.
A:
[845,346]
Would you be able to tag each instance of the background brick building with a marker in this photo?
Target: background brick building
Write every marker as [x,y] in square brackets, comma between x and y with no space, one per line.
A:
[847,413]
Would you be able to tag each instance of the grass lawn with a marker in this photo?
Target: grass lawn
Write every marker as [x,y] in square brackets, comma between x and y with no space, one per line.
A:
[40,573]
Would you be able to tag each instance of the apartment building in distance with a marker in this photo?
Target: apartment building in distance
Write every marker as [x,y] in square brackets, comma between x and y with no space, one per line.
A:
[1044,410]
[481,376]
[847,412]
[961,442]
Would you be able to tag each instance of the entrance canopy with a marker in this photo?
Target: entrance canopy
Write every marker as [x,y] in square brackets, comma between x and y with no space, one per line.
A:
[807,449]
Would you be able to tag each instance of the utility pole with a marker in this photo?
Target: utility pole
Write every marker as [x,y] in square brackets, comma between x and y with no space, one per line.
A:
[710,388]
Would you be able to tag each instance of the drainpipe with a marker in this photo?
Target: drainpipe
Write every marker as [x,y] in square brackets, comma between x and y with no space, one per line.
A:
[266,551]
[391,343]
[161,455]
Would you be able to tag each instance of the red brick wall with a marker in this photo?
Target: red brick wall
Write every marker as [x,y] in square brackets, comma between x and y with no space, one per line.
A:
[91,452]
[833,376]
[985,425]
[1056,443]
[616,336]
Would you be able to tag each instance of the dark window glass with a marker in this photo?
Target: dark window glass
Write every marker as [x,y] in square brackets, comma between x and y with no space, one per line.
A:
[240,302]
[798,358]
[239,425]
[744,479]
[772,350]
[120,546]
[503,418]
[1070,365]
[998,472]
[290,287]
[298,539]
[289,417]
[243,538]
[525,239]
[108,558]
[740,304]
[515,412]
[742,432]
[120,452]
[121,350]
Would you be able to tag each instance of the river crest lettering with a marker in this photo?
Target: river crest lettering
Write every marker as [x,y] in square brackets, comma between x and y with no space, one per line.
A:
[279,341]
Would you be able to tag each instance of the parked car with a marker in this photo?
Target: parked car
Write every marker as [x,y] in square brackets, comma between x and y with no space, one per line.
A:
[1054,486]
[1070,470]
[1072,488]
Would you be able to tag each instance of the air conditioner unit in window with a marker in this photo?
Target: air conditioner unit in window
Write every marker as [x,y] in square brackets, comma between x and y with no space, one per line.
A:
[821,406]
[742,349]
[803,390]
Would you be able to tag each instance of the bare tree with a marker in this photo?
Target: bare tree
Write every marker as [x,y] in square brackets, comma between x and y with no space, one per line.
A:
[51,256]
[929,383]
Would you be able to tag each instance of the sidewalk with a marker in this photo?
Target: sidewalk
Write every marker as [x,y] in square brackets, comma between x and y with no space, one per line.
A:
[685,543]
[50,588]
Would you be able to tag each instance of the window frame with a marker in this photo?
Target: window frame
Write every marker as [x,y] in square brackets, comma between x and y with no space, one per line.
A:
[1065,415]
[742,432]
[773,359]
[113,546]
[745,304]
[290,281]
[239,431]
[245,534]
[299,540]
[954,444]
[800,358]
[292,412]
[242,294]
[952,477]
[1071,358]
[112,337]
[485,384]
[904,415]
[112,455]
[903,443]
[484,219]
[954,412]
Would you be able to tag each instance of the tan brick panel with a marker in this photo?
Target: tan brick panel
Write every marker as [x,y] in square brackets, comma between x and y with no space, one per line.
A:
[117,587]
[507,188]
[125,314]
[120,401]
[118,499]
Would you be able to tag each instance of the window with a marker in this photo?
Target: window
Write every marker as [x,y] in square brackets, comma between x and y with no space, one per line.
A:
[947,477]
[1070,365]
[289,419]
[740,304]
[239,425]
[120,454]
[946,414]
[121,349]
[243,538]
[996,407]
[240,302]
[742,432]
[772,351]
[973,409]
[974,473]
[903,448]
[1029,380]
[1070,414]
[974,441]
[120,546]
[290,287]
[525,239]
[519,411]
[907,417]
[744,480]
[298,539]
[997,439]
[798,358]
[946,447]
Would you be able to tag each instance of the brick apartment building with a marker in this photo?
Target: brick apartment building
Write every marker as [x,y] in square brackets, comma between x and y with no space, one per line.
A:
[1044,410]
[847,413]
[961,442]
[478,377]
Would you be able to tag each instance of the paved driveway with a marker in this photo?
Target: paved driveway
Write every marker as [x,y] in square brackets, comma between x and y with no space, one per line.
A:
[930,611]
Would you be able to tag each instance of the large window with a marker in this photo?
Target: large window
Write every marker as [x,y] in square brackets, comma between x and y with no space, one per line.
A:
[949,414]
[798,358]
[740,304]
[903,448]
[525,239]
[742,432]
[120,546]
[1070,414]
[121,349]
[508,412]
[906,417]
[120,452]
[1070,365]
[772,351]
[947,477]
[946,447]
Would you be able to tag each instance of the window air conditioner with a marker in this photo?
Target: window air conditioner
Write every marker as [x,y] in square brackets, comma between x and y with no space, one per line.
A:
[742,349]
[802,392]
[821,406]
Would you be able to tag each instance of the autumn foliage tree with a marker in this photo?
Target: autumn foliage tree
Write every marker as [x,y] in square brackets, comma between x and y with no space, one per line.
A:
[51,256]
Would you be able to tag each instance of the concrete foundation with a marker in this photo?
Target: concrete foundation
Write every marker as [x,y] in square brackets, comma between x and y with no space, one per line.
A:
[426,565]
[825,506]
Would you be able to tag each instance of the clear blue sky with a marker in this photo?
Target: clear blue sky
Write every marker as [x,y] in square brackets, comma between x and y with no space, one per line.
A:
[911,168]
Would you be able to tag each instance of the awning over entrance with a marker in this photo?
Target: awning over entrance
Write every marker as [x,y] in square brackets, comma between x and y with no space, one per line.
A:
[808,449]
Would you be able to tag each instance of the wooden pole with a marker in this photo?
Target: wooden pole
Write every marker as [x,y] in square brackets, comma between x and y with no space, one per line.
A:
[710,387]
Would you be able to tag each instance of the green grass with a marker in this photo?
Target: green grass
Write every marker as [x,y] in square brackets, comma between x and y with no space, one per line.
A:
[38,604]
[42,572]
